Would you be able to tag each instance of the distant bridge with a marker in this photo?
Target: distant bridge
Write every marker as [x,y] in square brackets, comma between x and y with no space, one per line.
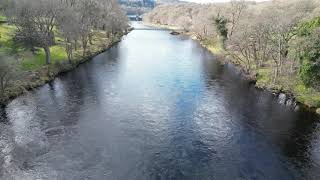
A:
[135,17]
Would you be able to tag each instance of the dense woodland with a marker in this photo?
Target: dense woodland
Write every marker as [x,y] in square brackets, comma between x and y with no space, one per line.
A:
[42,33]
[277,41]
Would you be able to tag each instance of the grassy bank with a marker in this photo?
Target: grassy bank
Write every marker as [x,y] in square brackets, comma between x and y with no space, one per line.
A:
[2,18]
[31,70]
[290,84]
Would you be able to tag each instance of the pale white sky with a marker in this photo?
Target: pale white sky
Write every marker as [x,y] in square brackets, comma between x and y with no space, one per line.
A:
[207,1]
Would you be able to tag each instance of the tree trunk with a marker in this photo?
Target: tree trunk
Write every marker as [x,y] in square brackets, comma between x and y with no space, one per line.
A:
[276,74]
[53,39]
[90,39]
[255,56]
[69,50]
[48,55]
[75,45]
[84,45]
[70,57]
[2,86]
[292,67]
[280,56]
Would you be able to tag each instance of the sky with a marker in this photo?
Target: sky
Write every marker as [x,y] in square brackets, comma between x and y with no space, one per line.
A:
[206,1]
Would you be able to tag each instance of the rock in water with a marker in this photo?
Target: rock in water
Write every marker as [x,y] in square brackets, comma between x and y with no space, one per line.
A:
[174,33]
[282,98]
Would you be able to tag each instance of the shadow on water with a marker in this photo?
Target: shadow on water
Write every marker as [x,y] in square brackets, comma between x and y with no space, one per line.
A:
[3,116]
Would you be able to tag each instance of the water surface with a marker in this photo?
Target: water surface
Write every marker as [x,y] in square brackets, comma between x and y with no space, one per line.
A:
[155,107]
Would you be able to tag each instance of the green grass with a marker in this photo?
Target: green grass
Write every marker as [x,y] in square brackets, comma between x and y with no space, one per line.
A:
[7,32]
[308,96]
[6,35]
[290,83]
[26,63]
[264,77]
[7,45]
[213,46]
[2,18]
[31,62]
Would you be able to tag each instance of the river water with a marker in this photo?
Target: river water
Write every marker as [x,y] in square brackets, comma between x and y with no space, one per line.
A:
[155,107]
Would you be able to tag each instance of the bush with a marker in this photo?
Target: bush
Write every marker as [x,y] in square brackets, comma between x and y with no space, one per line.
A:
[306,28]
[220,23]
[310,68]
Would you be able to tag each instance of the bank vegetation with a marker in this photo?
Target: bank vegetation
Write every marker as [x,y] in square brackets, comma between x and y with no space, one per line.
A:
[42,38]
[275,42]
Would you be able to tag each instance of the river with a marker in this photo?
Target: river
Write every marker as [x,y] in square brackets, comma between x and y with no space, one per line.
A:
[155,107]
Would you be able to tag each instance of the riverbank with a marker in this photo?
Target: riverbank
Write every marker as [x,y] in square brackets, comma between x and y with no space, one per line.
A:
[32,72]
[34,79]
[155,98]
[289,89]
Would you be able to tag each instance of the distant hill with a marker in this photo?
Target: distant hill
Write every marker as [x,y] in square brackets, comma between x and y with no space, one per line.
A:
[167,1]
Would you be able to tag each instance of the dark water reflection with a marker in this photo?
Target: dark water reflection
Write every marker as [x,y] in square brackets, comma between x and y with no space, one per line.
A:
[155,106]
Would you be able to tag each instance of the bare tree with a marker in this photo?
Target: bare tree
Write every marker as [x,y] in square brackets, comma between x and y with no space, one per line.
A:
[69,25]
[283,19]
[235,12]
[240,47]
[35,22]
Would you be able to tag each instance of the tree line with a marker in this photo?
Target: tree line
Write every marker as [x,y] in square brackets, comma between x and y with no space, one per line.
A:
[42,24]
[38,21]
[281,34]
